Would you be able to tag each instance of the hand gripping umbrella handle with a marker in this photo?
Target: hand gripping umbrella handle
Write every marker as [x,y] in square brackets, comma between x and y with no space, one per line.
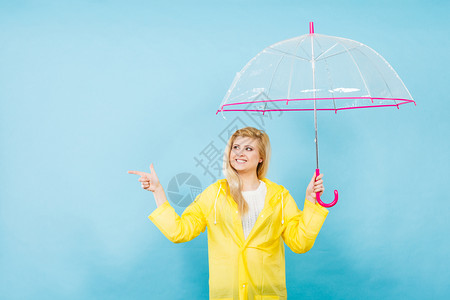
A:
[336,196]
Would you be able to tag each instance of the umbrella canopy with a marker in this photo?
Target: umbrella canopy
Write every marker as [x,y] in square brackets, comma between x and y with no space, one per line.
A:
[315,72]
[339,73]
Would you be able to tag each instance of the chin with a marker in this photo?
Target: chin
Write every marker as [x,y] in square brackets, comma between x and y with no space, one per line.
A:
[241,169]
[237,167]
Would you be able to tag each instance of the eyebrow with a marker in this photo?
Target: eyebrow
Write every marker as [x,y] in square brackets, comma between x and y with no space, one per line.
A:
[243,145]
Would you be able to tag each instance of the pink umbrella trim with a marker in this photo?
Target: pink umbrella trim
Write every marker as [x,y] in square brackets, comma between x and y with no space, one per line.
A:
[318,99]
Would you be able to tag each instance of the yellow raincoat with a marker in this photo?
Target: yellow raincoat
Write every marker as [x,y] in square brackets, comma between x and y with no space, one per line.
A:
[240,268]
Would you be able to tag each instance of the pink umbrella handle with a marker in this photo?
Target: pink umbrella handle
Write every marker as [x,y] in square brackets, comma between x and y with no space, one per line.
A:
[336,196]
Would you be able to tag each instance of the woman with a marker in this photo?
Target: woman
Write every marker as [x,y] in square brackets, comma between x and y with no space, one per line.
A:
[247,216]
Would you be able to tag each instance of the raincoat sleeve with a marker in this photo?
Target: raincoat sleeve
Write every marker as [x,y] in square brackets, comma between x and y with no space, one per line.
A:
[302,227]
[185,228]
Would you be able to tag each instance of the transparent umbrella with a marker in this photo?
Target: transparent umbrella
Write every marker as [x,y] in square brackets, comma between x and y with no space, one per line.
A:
[315,72]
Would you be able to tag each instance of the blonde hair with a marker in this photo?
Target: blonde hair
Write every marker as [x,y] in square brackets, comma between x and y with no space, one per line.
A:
[232,176]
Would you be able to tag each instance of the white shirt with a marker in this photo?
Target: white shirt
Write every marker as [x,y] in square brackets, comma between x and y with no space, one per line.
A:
[255,200]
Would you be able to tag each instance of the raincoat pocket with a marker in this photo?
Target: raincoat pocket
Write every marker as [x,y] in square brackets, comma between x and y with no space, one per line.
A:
[262,297]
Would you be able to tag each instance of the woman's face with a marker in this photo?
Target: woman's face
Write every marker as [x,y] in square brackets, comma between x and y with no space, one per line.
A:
[244,155]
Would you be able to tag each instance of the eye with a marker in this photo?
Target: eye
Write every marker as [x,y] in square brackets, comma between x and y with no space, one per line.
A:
[235,147]
[248,149]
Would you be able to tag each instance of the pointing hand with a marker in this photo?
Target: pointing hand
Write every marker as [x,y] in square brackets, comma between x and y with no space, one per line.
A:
[149,181]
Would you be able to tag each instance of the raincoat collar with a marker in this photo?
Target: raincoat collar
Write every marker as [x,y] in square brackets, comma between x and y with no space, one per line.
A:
[273,196]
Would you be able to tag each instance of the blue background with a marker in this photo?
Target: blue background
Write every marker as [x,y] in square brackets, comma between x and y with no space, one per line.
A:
[91,89]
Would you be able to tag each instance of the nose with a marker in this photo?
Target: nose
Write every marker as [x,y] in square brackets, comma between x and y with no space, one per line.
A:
[238,153]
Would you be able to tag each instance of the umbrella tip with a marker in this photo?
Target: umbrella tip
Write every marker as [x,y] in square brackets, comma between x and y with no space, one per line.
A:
[311,27]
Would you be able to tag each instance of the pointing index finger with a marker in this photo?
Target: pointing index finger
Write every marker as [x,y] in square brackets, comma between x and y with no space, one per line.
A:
[137,173]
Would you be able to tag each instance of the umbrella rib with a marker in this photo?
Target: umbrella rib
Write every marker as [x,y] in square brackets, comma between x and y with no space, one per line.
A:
[390,67]
[323,53]
[338,52]
[241,94]
[300,45]
[288,54]
[359,71]
[328,73]
[304,51]
[292,69]
[233,84]
[273,76]
[376,68]
[237,78]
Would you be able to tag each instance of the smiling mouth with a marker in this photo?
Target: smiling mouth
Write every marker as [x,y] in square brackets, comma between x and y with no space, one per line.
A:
[240,161]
